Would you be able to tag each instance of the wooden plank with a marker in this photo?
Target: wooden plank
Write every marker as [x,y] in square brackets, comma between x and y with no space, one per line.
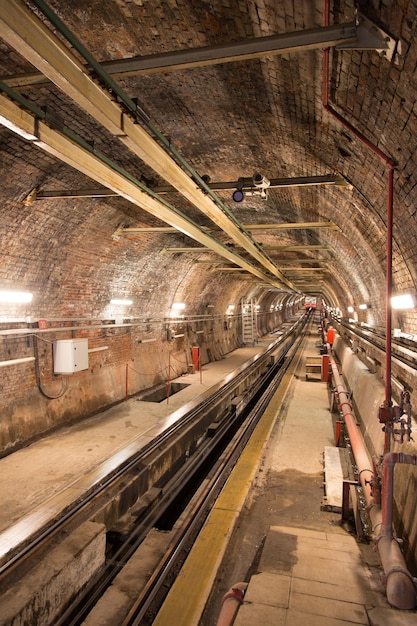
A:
[336,469]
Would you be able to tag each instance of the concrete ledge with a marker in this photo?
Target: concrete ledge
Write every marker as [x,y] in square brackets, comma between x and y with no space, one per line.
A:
[40,596]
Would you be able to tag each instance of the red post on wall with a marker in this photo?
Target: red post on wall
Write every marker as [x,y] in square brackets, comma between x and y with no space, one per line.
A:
[325,368]
[330,336]
[195,357]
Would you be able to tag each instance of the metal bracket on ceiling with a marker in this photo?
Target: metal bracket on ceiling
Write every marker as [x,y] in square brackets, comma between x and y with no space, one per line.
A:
[370,36]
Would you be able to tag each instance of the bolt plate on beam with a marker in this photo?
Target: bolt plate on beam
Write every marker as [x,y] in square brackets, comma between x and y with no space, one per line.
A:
[372,37]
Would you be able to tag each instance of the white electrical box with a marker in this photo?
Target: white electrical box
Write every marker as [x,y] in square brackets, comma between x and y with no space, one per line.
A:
[70,355]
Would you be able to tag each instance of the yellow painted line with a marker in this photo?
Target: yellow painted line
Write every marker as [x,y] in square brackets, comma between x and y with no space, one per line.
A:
[188,595]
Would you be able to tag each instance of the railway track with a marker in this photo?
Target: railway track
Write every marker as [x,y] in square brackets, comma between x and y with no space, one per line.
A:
[403,351]
[210,437]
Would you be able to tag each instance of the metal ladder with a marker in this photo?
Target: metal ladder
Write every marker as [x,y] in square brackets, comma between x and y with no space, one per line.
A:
[249,330]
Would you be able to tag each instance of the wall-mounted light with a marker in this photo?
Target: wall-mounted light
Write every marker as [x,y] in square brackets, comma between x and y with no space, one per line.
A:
[403,301]
[230,309]
[15,297]
[351,309]
[363,307]
[177,309]
[121,301]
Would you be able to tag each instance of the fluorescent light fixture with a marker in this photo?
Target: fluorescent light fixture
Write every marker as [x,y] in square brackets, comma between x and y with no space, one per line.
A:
[178,306]
[121,301]
[403,301]
[363,307]
[351,309]
[15,297]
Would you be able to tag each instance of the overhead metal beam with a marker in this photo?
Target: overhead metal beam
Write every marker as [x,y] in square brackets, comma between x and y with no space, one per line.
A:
[187,249]
[21,29]
[246,183]
[298,248]
[54,142]
[227,269]
[249,227]
[306,270]
[303,181]
[357,36]
[294,226]
[281,262]
[295,248]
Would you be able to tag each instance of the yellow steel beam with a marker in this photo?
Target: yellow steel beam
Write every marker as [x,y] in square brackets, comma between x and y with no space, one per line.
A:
[187,249]
[293,225]
[227,269]
[79,158]
[249,227]
[305,270]
[297,248]
[20,28]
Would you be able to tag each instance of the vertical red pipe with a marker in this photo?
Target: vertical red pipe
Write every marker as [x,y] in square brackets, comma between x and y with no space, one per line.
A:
[388,311]
[399,585]
[127,382]
[390,210]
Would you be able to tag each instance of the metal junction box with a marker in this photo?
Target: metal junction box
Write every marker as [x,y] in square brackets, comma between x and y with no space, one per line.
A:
[70,355]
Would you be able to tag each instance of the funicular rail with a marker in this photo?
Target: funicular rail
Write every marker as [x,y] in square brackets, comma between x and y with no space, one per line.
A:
[215,406]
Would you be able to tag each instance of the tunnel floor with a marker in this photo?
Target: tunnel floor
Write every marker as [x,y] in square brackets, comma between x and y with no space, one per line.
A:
[284,501]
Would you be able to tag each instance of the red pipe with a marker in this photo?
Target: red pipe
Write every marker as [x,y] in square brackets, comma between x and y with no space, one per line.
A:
[230,604]
[391,164]
[399,582]
[389,463]
[400,590]
[388,310]
[362,459]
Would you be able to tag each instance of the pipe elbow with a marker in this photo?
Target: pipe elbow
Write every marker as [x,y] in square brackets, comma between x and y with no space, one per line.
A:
[400,586]
[400,590]
[231,602]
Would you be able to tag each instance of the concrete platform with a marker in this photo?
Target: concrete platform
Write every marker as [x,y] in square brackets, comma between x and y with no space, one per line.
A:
[48,470]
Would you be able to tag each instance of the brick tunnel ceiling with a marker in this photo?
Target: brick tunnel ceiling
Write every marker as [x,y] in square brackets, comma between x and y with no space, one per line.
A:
[227,121]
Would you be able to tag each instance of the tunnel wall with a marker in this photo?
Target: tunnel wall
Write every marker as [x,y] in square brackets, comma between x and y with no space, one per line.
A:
[125,357]
[368,394]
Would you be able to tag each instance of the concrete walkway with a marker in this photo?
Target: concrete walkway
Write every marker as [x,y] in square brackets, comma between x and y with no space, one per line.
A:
[308,577]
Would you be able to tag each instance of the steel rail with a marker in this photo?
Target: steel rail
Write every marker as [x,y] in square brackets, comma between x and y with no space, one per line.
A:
[401,354]
[181,419]
[200,507]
